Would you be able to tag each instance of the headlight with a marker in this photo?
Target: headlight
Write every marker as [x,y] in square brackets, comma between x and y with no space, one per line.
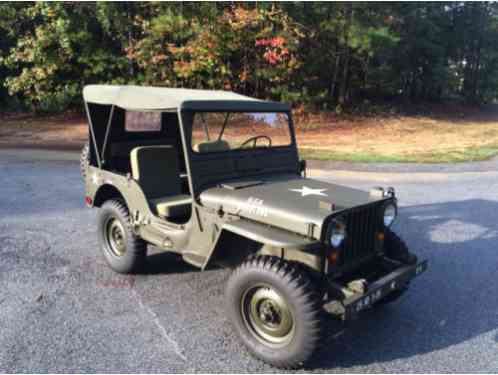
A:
[390,213]
[337,233]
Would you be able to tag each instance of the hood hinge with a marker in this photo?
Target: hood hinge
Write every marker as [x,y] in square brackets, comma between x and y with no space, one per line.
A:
[311,229]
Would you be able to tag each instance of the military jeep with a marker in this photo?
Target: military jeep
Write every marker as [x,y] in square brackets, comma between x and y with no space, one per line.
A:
[215,177]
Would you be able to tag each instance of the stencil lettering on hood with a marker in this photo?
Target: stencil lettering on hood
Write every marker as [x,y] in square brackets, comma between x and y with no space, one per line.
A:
[253,206]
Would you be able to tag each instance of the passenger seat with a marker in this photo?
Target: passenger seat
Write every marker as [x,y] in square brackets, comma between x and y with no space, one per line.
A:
[156,170]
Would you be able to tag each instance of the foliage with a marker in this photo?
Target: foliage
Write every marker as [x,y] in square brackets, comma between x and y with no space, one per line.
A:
[329,55]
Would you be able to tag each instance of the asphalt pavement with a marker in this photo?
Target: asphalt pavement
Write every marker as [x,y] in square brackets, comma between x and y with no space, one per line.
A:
[63,310]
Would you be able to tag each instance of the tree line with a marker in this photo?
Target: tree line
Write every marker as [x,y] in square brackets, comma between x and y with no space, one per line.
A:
[316,54]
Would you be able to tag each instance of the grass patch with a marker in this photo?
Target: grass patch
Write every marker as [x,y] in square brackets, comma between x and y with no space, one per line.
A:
[449,137]
[450,156]
[360,157]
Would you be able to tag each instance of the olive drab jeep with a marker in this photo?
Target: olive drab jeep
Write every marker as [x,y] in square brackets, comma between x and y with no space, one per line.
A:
[215,177]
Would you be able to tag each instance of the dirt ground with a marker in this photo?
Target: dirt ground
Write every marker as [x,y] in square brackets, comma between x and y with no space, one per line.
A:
[66,131]
[452,135]
[447,134]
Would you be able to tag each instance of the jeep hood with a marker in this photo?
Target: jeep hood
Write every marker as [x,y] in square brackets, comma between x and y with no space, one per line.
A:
[294,203]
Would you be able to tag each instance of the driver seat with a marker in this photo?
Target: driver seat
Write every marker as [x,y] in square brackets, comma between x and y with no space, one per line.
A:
[212,146]
[155,168]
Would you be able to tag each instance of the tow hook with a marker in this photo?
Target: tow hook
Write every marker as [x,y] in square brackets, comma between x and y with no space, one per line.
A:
[358,286]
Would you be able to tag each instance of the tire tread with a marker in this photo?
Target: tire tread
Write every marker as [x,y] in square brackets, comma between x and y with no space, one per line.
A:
[305,296]
[134,243]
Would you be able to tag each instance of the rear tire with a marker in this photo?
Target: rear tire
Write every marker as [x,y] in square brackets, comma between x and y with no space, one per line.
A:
[275,310]
[85,160]
[123,250]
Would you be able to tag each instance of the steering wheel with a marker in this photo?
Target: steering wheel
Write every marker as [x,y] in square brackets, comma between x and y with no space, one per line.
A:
[254,141]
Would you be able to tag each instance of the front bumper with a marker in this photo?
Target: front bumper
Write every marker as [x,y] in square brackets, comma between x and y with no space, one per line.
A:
[395,280]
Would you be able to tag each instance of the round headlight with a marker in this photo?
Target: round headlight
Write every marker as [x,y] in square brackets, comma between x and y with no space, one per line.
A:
[337,233]
[390,213]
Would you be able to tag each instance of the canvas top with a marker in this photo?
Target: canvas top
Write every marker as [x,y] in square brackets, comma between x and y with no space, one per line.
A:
[163,98]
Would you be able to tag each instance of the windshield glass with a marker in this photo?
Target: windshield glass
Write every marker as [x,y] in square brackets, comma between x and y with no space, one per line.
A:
[224,131]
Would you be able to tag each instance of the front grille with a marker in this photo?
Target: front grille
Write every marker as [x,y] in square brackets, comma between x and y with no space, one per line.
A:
[362,224]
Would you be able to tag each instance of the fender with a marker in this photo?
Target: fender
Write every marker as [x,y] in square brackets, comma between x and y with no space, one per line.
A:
[263,239]
[267,235]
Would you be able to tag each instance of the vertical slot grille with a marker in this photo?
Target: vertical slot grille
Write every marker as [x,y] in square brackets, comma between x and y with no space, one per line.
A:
[362,224]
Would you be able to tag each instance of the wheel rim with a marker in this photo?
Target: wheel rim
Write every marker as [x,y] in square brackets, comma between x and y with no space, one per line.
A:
[115,236]
[267,315]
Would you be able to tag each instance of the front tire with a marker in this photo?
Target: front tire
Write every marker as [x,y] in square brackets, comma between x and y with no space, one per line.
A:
[275,310]
[124,251]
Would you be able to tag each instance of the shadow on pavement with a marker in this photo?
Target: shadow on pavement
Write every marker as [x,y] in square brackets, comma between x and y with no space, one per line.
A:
[454,301]
[166,263]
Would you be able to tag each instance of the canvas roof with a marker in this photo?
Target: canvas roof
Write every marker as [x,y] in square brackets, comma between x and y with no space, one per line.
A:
[162,98]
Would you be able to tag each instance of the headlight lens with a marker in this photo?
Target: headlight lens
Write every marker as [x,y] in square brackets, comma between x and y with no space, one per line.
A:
[337,233]
[390,213]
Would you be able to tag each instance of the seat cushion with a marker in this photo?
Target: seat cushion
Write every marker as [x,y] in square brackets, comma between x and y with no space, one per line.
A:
[174,206]
[213,146]
[156,170]
[124,148]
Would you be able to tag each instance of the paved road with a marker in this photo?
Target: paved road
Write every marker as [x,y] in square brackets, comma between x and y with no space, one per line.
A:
[62,309]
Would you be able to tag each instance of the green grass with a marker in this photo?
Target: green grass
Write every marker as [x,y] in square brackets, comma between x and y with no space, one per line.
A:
[451,156]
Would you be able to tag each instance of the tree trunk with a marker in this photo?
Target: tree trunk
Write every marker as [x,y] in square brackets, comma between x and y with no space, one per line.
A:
[347,57]
[333,83]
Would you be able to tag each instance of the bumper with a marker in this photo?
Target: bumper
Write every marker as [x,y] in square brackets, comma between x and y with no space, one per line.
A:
[396,280]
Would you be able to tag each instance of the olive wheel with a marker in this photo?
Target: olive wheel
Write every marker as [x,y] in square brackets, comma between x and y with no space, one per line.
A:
[124,251]
[396,249]
[275,310]
[84,159]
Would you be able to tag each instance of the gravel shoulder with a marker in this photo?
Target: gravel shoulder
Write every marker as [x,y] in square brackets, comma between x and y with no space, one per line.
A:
[475,166]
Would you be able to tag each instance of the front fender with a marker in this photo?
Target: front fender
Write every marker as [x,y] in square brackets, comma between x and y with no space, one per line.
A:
[267,235]
[265,240]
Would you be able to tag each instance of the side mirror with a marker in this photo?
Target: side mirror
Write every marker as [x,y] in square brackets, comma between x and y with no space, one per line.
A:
[302,167]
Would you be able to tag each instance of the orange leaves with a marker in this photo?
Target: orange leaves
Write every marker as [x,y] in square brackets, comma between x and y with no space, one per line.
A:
[242,47]
[158,58]
[275,51]
[243,75]
[239,17]
[272,57]
[173,48]
[277,41]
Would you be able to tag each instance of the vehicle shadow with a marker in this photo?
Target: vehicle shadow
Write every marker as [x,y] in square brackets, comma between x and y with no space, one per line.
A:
[453,302]
[166,263]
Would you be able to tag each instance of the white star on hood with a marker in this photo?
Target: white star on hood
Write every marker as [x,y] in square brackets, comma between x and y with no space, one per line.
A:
[305,191]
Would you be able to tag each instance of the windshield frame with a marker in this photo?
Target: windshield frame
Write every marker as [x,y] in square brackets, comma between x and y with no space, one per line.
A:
[227,113]
[196,163]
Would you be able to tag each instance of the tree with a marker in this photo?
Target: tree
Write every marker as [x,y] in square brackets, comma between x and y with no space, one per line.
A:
[62,46]
[326,55]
